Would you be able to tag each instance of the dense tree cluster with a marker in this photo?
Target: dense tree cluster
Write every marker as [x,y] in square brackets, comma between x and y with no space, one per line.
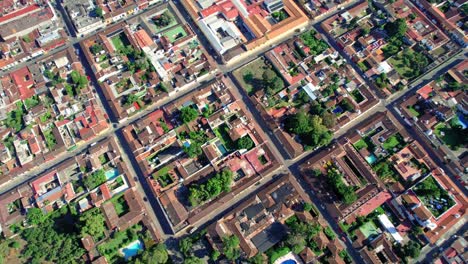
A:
[188,114]
[245,143]
[197,139]
[221,182]
[14,118]
[271,82]
[231,247]
[309,128]
[35,216]
[343,191]
[316,46]
[92,223]
[96,48]
[163,20]
[301,234]
[95,179]
[156,254]
[397,28]
[49,242]
[416,61]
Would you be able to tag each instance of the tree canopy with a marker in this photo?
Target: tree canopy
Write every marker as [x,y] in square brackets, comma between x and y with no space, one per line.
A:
[231,247]
[35,216]
[163,20]
[345,192]
[95,179]
[396,28]
[188,114]
[156,254]
[310,129]
[92,223]
[221,182]
[46,242]
[99,12]
[316,46]
[245,143]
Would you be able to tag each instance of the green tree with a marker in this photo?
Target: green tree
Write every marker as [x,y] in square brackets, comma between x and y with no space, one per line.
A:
[14,244]
[35,216]
[193,260]
[75,76]
[130,99]
[221,182]
[365,30]
[96,48]
[329,233]
[15,118]
[69,90]
[245,143]
[248,77]
[257,259]
[163,20]
[345,192]
[396,28]
[390,50]
[329,120]
[188,114]
[156,254]
[412,249]
[215,255]
[316,46]
[269,76]
[231,247]
[99,12]
[48,242]
[92,223]
[298,123]
[347,105]
[307,207]
[95,179]
[185,246]
[297,241]
[383,170]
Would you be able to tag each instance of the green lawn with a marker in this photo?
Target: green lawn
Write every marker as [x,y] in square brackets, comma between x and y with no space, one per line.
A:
[175,34]
[413,111]
[173,22]
[120,41]
[369,229]
[397,63]
[256,69]
[439,128]
[120,204]
[454,137]
[391,143]
[360,144]
[433,196]
[363,65]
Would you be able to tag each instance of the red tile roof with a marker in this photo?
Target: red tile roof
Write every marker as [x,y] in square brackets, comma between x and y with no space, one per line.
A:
[23,80]
[375,202]
[19,13]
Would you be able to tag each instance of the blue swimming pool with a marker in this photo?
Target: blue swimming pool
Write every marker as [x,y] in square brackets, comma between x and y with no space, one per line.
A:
[289,261]
[186,144]
[112,173]
[371,159]
[462,121]
[222,148]
[132,249]
[338,110]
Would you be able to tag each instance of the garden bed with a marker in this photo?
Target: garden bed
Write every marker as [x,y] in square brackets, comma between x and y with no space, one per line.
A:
[436,199]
